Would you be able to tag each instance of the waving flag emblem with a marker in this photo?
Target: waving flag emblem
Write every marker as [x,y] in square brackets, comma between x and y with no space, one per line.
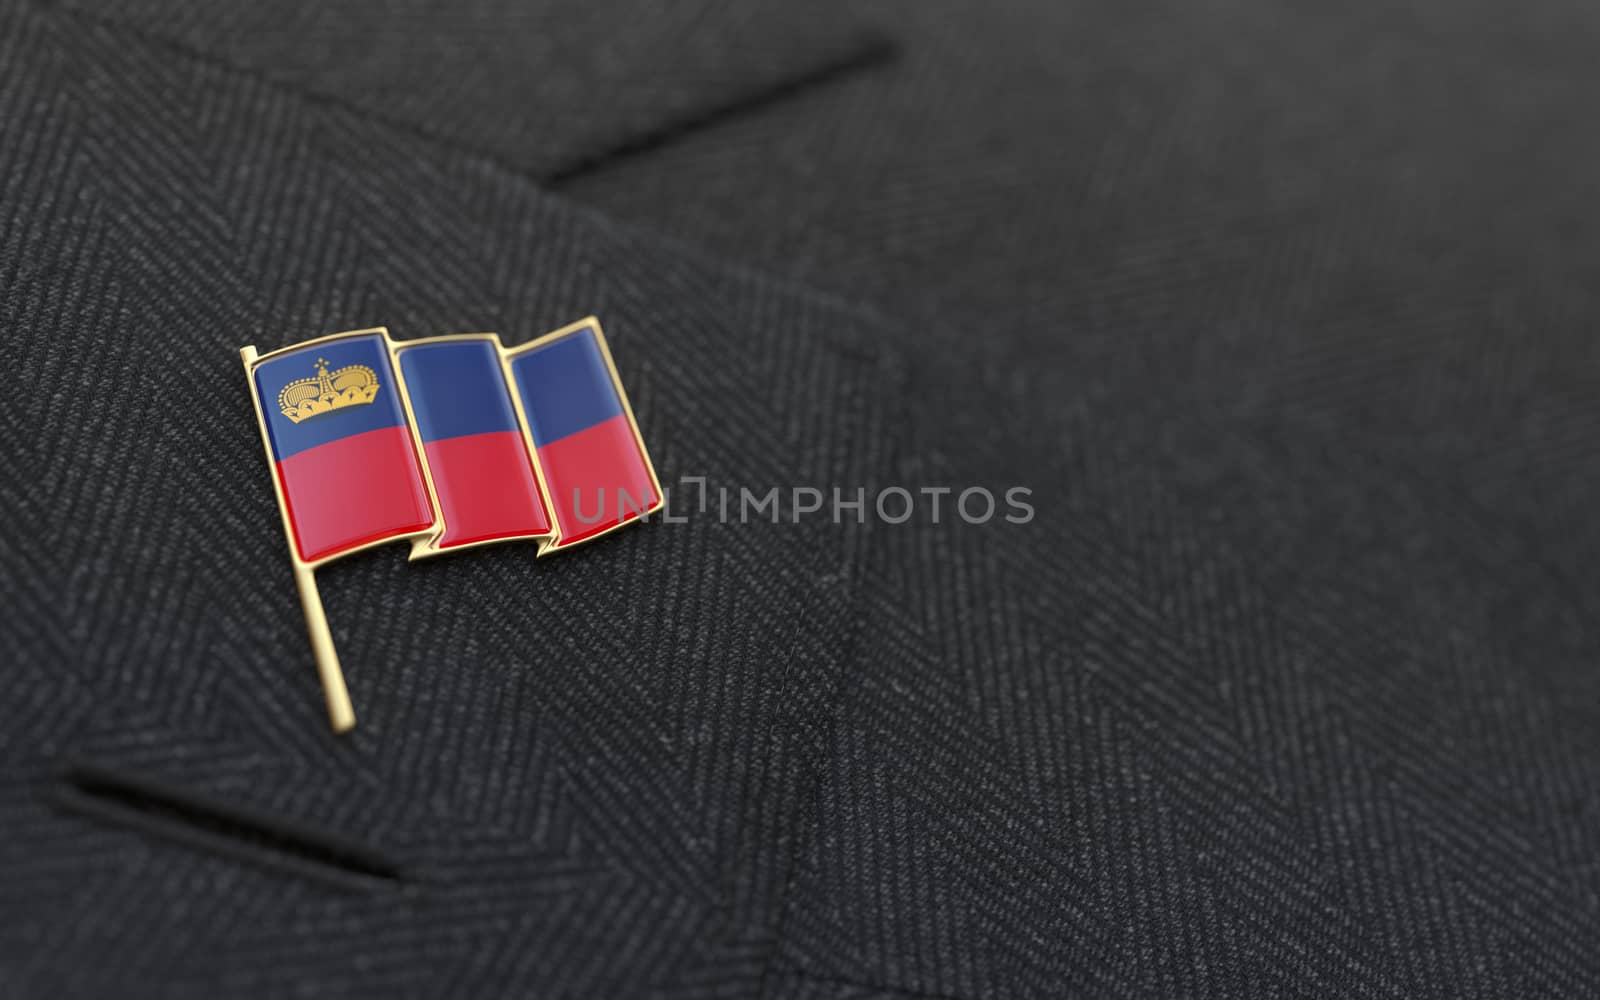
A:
[449,442]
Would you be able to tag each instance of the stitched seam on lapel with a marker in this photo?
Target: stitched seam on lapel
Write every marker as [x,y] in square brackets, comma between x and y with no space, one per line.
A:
[871,52]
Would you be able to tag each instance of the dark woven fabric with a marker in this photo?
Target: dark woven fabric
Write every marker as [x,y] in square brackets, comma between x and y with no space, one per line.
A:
[548,87]
[1289,690]
[1290,312]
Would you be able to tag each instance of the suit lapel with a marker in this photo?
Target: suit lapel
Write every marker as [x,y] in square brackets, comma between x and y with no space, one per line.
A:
[636,726]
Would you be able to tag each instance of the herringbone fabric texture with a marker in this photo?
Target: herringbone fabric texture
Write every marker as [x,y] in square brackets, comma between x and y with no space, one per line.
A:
[1289,690]
[1289,311]
[546,87]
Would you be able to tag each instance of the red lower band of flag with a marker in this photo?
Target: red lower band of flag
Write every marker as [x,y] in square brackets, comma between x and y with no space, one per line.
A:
[486,488]
[598,479]
[353,491]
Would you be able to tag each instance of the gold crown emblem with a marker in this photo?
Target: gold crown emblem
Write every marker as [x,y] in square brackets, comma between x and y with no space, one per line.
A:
[352,385]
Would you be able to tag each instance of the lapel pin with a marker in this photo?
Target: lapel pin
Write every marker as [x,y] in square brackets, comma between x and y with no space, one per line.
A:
[449,443]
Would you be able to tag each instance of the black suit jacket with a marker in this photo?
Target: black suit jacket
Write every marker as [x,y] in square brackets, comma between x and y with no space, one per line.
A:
[1283,315]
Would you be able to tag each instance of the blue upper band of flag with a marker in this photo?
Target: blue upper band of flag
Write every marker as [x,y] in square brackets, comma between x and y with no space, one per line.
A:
[457,388]
[566,386]
[289,438]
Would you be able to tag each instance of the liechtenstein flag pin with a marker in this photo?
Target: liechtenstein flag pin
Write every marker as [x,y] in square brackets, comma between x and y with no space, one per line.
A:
[450,442]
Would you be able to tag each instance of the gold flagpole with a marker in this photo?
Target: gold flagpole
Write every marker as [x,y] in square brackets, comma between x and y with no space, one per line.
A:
[341,714]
